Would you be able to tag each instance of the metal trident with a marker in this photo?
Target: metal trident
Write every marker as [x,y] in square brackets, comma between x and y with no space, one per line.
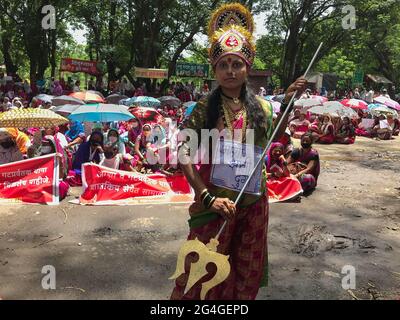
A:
[208,253]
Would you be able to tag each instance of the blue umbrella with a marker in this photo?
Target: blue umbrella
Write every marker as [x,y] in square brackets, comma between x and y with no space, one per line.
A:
[374,105]
[101,112]
[190,109]
[143,101]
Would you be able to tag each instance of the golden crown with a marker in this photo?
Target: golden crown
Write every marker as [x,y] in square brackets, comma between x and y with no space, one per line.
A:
[230,31]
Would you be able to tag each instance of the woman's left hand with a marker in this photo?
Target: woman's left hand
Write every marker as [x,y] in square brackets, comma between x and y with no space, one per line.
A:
[299,85]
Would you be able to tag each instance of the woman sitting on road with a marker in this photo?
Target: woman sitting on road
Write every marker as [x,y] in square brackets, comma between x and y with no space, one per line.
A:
[89,151]
[394,124]
[114,139]
[327,135]
[9,150]
[299,126]
[304,163]
[346,132]
[50,145]
[281,185]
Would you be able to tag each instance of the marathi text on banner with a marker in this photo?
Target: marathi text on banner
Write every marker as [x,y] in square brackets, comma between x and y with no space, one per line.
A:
[104,186]
[151,73]
[192,70]
[30,181]
[77,65]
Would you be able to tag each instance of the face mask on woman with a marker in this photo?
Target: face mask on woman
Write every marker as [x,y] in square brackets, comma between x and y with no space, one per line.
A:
[306,145]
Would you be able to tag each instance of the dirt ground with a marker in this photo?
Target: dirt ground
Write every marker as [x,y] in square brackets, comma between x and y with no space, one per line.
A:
[353,218]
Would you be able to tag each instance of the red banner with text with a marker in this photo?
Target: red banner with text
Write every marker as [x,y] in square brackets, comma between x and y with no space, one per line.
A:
[104,186]
[30,181]
[77,65]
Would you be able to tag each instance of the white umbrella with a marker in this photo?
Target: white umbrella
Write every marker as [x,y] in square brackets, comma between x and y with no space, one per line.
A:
[378,110]
[334,108]
[305,103]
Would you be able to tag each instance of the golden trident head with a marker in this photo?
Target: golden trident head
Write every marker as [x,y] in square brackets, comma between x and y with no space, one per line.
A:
[207,253]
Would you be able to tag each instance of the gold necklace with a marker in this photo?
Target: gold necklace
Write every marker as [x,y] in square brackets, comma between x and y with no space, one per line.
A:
[230,116]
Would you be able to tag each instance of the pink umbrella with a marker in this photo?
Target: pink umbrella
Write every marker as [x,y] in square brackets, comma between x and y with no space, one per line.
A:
[355,104]
[388,102]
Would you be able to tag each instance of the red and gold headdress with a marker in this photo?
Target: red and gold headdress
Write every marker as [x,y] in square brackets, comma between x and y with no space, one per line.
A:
[230,31]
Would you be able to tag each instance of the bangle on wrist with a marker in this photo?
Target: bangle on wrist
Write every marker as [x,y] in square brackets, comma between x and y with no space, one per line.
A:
[207,200]
[211,202]
[202,194]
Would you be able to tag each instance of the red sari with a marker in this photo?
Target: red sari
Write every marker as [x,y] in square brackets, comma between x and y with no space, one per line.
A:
[328,130]
[281,187]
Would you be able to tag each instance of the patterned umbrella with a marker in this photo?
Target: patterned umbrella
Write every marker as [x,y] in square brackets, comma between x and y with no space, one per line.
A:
[387,102]
[146,115]
[62,100]
[31,117]
[355,104]
[143,101]
[87,96]
[172,101]
[100,112]
[115,98]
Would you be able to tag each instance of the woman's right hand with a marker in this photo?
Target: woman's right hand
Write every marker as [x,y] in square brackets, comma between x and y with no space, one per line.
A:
[225,207]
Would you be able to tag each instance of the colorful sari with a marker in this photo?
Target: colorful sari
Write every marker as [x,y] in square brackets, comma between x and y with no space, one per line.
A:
[328,130]
[301,160]
[245,237]
[346,134]
[280,187]
[63,185]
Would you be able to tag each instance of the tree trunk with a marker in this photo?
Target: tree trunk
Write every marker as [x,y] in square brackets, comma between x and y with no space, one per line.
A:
[111,35]
[53,50]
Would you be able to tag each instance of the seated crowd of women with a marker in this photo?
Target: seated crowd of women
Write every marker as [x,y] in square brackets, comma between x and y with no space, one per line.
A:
[131,147]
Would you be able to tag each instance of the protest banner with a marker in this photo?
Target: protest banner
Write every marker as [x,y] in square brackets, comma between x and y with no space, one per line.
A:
[151,73]
[104,186]
[33,181]
[77,65]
